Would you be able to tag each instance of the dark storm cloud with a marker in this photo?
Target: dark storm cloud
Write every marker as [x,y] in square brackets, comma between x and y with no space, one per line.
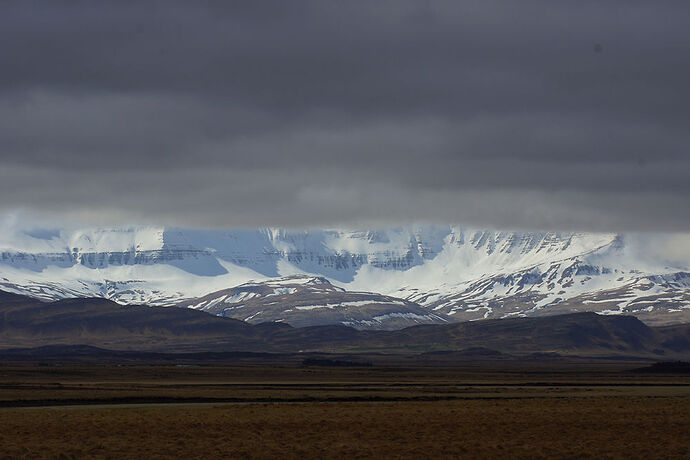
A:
[501,113]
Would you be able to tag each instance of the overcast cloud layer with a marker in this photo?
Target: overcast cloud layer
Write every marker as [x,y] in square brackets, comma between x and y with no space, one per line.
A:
[518,114]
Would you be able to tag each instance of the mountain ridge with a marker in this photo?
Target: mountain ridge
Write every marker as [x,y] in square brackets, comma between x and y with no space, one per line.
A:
[29,323]
[465,274]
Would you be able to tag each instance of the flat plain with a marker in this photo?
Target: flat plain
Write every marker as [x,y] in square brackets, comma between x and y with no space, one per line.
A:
[269,410]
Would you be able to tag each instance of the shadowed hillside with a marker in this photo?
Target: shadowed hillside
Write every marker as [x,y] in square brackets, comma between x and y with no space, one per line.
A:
[25,322]
[578,332]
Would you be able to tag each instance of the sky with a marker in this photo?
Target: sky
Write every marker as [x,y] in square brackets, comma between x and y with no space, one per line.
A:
[532,114]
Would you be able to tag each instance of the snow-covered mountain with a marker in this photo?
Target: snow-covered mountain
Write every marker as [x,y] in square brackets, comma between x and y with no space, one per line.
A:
[313,301]
[466,274]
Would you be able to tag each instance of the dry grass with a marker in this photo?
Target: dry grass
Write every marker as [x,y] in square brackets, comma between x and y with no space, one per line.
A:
[504,418]
[528,428]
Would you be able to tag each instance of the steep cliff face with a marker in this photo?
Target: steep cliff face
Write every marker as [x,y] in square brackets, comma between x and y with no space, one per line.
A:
[338,253]
[464,273]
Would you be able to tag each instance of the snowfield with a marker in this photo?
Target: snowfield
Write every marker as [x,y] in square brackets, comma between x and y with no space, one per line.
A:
[464,273]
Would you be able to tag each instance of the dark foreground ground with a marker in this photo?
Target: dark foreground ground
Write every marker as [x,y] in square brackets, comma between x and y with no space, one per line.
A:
[560,410]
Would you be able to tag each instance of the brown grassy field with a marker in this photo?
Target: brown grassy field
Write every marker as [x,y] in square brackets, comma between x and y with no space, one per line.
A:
[217,412]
